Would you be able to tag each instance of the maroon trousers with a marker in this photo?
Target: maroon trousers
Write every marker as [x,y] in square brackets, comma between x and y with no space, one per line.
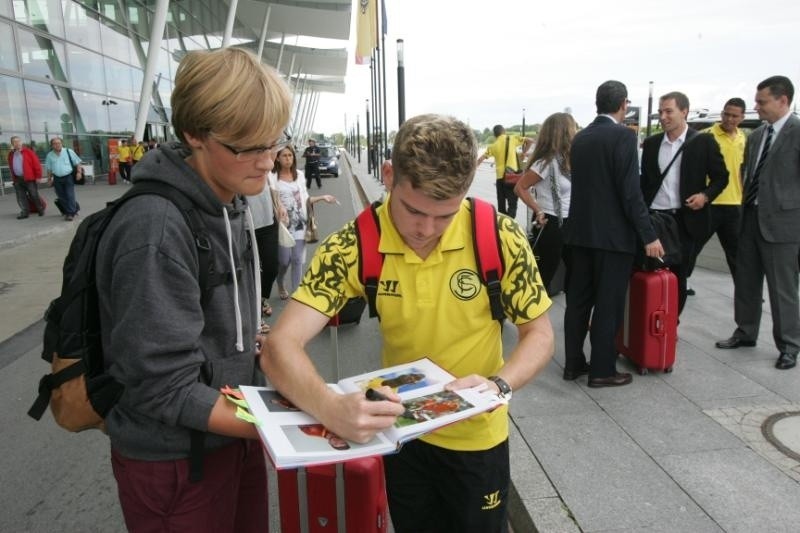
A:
[157,496]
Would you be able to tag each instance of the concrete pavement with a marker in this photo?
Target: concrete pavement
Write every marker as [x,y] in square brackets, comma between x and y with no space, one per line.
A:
[690,451]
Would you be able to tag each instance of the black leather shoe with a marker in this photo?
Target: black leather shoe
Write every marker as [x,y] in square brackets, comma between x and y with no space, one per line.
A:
[786,361]
[21,216]
[573,374]
[733,343]
[617,380]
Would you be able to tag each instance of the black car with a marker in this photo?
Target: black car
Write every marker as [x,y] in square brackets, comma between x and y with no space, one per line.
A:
[329,161]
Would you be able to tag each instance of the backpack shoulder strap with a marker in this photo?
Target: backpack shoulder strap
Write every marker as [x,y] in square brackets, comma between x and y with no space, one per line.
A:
[368,235]
[488,258]
[207,276]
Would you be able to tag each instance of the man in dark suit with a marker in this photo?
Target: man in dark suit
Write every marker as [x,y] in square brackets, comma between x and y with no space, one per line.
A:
[682,172]
[770,236]
[606,215]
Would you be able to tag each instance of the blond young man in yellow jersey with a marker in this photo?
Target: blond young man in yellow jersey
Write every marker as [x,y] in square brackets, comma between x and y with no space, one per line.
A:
[726,209]
[455,479]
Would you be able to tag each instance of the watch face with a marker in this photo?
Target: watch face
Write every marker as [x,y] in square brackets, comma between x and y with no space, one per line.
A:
[501,384]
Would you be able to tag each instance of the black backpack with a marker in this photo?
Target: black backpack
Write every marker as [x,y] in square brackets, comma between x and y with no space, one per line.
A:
[79,391]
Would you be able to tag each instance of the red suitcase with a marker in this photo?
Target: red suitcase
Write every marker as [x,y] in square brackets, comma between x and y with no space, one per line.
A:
[32,206]
[344,497]
[649,331]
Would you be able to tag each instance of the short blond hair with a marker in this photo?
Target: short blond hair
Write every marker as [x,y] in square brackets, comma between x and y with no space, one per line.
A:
[437,154]
[230,93]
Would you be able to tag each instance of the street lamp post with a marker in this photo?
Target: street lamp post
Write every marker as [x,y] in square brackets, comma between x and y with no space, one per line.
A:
[523,122]
[369,144]
[401,84]
[358,137]
[649,108]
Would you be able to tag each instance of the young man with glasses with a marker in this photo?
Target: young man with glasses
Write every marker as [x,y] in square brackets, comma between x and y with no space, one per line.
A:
[172,335]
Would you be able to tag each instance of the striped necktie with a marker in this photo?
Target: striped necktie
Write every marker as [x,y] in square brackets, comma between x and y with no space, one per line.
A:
[752,186]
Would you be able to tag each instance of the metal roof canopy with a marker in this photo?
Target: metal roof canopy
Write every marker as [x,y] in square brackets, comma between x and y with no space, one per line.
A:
[322,84]
[311,61]
[329,19]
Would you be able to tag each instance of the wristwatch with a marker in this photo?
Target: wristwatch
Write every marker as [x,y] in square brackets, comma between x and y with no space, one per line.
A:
[505,388]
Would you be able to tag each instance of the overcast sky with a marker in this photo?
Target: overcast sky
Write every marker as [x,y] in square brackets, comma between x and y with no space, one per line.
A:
[483,62]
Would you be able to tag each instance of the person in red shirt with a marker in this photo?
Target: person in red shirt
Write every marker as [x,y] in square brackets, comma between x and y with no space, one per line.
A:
[26,169]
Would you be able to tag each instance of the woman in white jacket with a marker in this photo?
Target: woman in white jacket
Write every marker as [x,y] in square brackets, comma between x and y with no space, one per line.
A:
[293,196]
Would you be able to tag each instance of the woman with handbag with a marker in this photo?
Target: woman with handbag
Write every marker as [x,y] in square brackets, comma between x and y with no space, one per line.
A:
[294,198]
[63,167]
[548,173]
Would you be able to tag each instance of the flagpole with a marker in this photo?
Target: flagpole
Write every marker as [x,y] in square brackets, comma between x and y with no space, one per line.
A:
[649,108]
[383,61]
[369,144]
[401,84]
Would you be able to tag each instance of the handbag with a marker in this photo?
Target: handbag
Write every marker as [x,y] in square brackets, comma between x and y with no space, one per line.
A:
[312,231]
[285,238]
[77,172]
[666,229]
[510,175]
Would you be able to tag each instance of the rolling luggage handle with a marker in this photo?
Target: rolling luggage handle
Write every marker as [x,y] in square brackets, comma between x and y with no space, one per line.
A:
[302,500]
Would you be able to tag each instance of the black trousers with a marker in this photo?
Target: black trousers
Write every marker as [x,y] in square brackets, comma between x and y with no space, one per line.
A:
[312,172]
[506,198]
[548,248]
[688,258]
[726,221]
[267,242]
[597,287]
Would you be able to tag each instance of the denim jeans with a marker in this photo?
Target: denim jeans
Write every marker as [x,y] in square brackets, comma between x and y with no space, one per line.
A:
[65,190]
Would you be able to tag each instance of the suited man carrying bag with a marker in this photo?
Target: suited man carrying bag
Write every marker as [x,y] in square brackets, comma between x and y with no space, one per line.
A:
[606,216]
[682,172]
[770,236]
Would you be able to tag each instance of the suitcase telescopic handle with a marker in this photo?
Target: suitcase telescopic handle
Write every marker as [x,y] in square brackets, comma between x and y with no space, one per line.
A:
[657,323]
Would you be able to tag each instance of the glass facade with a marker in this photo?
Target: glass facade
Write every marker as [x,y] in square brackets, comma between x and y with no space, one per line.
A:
[75,69]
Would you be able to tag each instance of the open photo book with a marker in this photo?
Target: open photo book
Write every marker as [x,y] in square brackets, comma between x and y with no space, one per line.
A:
[294,438]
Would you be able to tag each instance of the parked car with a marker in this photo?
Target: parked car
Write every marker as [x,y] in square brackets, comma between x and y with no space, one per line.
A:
[329,161]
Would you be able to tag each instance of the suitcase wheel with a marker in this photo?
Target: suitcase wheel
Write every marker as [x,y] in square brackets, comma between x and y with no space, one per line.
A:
[642,371]
[668,370]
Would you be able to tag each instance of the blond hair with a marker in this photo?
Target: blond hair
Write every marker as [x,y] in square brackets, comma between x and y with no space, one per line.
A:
[230,94]
[437,154]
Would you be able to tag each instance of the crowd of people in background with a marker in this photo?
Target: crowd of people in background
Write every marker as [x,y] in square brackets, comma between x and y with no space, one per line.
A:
[592,195]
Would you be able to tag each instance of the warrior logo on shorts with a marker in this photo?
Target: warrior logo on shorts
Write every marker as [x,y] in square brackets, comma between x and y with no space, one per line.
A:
[465,284]
[492,500]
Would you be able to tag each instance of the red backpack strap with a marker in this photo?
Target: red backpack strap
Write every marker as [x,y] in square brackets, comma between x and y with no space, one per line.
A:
[368,233]
[486,238]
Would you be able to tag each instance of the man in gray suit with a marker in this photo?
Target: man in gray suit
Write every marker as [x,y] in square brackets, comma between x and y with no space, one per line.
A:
[770,236]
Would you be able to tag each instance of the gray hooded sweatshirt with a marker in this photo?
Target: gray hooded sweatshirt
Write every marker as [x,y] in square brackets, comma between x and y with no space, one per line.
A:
[156,333]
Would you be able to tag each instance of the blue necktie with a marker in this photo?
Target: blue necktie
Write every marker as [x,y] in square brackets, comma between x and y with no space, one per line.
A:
[752,186]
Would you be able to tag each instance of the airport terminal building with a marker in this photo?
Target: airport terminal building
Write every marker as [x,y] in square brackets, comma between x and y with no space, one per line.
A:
[77,69]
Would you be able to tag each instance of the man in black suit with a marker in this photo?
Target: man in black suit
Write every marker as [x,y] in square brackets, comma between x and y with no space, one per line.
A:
[682,172]
[606,215]
[769,240]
